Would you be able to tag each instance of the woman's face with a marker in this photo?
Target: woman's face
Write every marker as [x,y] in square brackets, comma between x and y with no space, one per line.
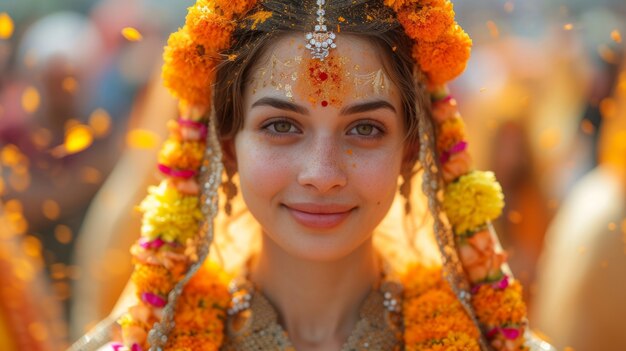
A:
[321,147]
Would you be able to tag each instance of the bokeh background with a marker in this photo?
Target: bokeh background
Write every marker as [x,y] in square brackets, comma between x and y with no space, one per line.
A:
[82,113]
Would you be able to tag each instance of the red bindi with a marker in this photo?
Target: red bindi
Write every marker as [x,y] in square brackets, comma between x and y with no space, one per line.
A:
[324,103]
[323,76]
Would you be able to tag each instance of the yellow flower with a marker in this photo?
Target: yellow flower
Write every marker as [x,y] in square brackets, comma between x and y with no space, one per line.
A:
[188,69]
[472,201]
[170,215]
[179,154]
[429,22]
[446,58]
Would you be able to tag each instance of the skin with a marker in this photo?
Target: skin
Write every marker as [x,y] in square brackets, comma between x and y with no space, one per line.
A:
[297,159]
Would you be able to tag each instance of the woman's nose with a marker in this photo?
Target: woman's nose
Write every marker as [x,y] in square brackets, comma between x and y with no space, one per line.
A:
[322,166]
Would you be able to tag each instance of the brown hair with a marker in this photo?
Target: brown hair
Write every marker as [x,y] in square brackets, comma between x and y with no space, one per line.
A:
[369,19]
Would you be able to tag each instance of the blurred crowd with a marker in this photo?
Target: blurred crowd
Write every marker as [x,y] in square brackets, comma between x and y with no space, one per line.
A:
[82,108]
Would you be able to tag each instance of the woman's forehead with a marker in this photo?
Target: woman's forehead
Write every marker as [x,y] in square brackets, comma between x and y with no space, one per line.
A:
[353,71]
[358,49]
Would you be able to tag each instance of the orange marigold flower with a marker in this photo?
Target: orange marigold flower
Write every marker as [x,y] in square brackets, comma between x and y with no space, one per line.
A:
[179,154]
[446,58]
[188,69]
[398,4]
[235,8]
[498,307]
[451,132]
[434,302]
[201,311]
[152,279]
[452,342]
[429,22]
[194,342]
[432,313]
[436,328]
[419,279]
[207,27]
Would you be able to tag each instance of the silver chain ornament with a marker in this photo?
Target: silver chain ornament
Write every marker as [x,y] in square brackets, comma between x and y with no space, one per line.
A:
[321,40]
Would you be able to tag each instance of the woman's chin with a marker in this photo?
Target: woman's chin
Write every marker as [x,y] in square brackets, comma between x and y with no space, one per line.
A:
[326,246]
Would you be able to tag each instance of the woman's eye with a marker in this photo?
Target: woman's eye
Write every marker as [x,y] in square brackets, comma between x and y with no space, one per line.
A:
[281,127]
[365,129]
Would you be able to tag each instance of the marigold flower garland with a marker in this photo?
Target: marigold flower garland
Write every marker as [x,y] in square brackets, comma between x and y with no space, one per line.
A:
[472,200]
[171,211]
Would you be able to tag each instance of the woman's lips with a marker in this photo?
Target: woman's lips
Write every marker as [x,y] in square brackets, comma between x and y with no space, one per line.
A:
[319,216]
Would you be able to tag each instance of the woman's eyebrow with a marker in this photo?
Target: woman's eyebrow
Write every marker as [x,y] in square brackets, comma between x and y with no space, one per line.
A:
[366,106]
[281,104]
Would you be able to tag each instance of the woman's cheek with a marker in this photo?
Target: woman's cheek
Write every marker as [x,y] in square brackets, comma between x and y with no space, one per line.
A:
[262,169]
[376,173]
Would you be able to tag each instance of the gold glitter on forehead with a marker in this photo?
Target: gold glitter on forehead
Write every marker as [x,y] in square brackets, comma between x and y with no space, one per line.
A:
[377,80]
[276,74]
[327,82]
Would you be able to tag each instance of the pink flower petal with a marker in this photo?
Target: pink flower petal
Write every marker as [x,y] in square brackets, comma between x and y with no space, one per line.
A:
[502,284]
[153,299]
[178,173]
[151,244]
[198,125]
[458,147]
[510,333]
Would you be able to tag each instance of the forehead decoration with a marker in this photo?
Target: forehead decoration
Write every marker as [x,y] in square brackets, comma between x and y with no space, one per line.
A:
[279,74]
[323,83]
[377,80]
[441,48]
[321,40]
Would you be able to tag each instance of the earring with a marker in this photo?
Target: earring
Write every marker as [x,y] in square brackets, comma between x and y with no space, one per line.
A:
[230,190]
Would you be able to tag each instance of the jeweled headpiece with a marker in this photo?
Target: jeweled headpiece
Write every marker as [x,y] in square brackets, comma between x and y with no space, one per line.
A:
[321,40]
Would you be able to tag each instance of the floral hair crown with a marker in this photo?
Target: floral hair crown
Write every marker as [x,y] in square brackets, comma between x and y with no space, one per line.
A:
[441,47]
[170,250]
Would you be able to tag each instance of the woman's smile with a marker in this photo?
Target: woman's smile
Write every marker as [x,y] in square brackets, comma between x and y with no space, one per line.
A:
[319,216]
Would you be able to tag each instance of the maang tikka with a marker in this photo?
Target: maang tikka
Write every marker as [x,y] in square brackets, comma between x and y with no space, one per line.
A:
[321,40]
